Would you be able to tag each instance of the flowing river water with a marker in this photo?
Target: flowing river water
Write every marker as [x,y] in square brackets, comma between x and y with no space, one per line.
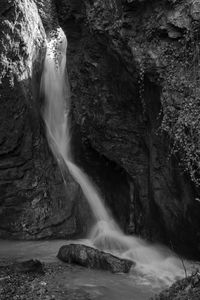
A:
[100,285]
[156,266]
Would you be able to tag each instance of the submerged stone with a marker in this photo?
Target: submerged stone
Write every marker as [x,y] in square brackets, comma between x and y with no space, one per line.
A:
[29,266]
[93,258]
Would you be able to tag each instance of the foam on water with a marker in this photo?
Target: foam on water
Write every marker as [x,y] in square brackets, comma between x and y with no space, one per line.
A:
[159,264]
[153,261]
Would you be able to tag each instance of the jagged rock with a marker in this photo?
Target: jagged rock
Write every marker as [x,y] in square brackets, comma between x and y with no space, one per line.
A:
[179,18]
[187,288]
[93,258]
[126,82]
[195,10]
[34,201]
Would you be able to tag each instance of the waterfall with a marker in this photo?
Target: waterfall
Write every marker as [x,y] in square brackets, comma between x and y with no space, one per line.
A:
[106,234]
[56,111]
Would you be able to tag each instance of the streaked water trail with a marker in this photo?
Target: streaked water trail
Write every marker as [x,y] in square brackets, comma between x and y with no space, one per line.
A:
[153,261]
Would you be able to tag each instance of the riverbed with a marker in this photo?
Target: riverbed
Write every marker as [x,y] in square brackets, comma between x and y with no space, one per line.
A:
[75,282]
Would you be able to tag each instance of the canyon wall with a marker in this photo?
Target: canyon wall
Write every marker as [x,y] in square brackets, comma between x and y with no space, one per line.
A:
[134,76]
[34,202]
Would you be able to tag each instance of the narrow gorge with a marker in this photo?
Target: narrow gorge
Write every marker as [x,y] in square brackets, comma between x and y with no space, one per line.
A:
[100,143]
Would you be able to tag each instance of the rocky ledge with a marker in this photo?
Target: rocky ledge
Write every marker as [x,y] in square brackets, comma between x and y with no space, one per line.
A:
[93,258]
[188,288]
[134,75]
[34,201]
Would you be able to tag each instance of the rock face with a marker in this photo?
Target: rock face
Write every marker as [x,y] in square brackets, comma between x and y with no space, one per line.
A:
[187,288]
[134,76]
[93,258]
[34,202]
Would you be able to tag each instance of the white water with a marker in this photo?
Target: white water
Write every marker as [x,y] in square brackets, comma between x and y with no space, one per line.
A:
[151,261]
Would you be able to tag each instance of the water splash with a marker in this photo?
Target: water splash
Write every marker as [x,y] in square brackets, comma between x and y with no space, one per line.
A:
[153,261]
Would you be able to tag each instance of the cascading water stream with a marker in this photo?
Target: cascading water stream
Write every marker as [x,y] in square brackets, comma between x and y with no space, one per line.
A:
[54,87]
[150,260]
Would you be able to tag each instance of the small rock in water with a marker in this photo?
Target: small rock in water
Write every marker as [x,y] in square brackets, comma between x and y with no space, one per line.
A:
[93,258]
[29,266]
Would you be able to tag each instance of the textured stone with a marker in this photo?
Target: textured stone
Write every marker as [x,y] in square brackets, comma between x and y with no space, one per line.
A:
[195,10]
[34,202]
[187,288]
[119,62]
[93,258]
[128,63]
[28,266]
[179,18]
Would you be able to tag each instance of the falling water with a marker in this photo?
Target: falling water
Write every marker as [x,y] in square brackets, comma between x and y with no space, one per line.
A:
[153,261]
[56,92]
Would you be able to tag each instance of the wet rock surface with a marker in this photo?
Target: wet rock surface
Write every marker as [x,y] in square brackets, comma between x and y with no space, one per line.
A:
[28,266]
[33,286]
[188,288]
[93,258]
[34,201]
[134,100]
[131,91]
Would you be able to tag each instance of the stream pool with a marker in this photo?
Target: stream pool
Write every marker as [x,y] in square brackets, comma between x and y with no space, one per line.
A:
[101,284]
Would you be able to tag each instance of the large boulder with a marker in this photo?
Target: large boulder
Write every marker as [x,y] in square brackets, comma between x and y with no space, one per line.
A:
[93,258]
